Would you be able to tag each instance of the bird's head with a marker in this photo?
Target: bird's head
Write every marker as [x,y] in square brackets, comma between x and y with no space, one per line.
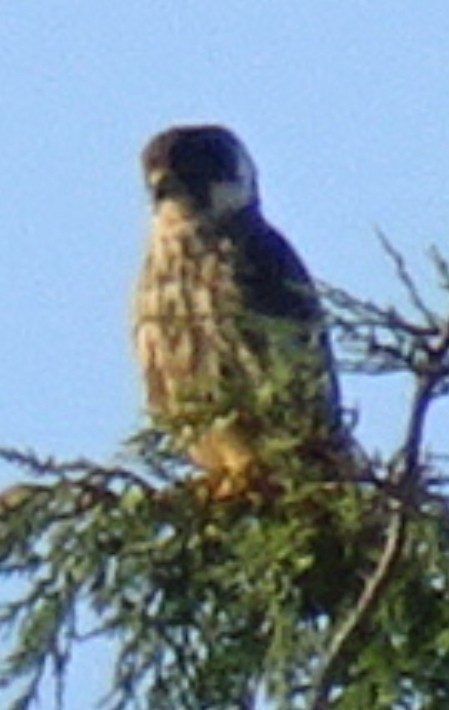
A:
[203,169]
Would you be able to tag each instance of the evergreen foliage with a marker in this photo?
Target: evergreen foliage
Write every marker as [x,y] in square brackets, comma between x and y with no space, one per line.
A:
[331,594]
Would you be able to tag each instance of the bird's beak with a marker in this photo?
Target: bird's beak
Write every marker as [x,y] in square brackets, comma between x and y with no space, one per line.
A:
[155,177]
[166,185]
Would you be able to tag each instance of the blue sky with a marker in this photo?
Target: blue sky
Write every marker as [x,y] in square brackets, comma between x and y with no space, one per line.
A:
[344,105]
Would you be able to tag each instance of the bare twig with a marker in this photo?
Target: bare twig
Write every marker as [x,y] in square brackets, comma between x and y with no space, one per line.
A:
[407,280]
[379,340]
[441,265]
[361,313]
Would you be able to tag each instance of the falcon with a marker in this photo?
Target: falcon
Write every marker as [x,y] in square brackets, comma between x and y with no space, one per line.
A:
[229,331]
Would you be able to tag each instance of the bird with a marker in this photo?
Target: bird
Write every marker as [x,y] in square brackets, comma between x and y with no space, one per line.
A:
[228,327]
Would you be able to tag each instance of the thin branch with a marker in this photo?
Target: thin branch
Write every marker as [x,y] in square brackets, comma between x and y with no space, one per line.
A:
[442,266]
[39,466]
[361,313]
[363,608]
[407,280]
[415,431]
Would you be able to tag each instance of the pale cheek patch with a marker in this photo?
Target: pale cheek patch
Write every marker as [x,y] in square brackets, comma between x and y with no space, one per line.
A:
[247,174]
[229,197]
